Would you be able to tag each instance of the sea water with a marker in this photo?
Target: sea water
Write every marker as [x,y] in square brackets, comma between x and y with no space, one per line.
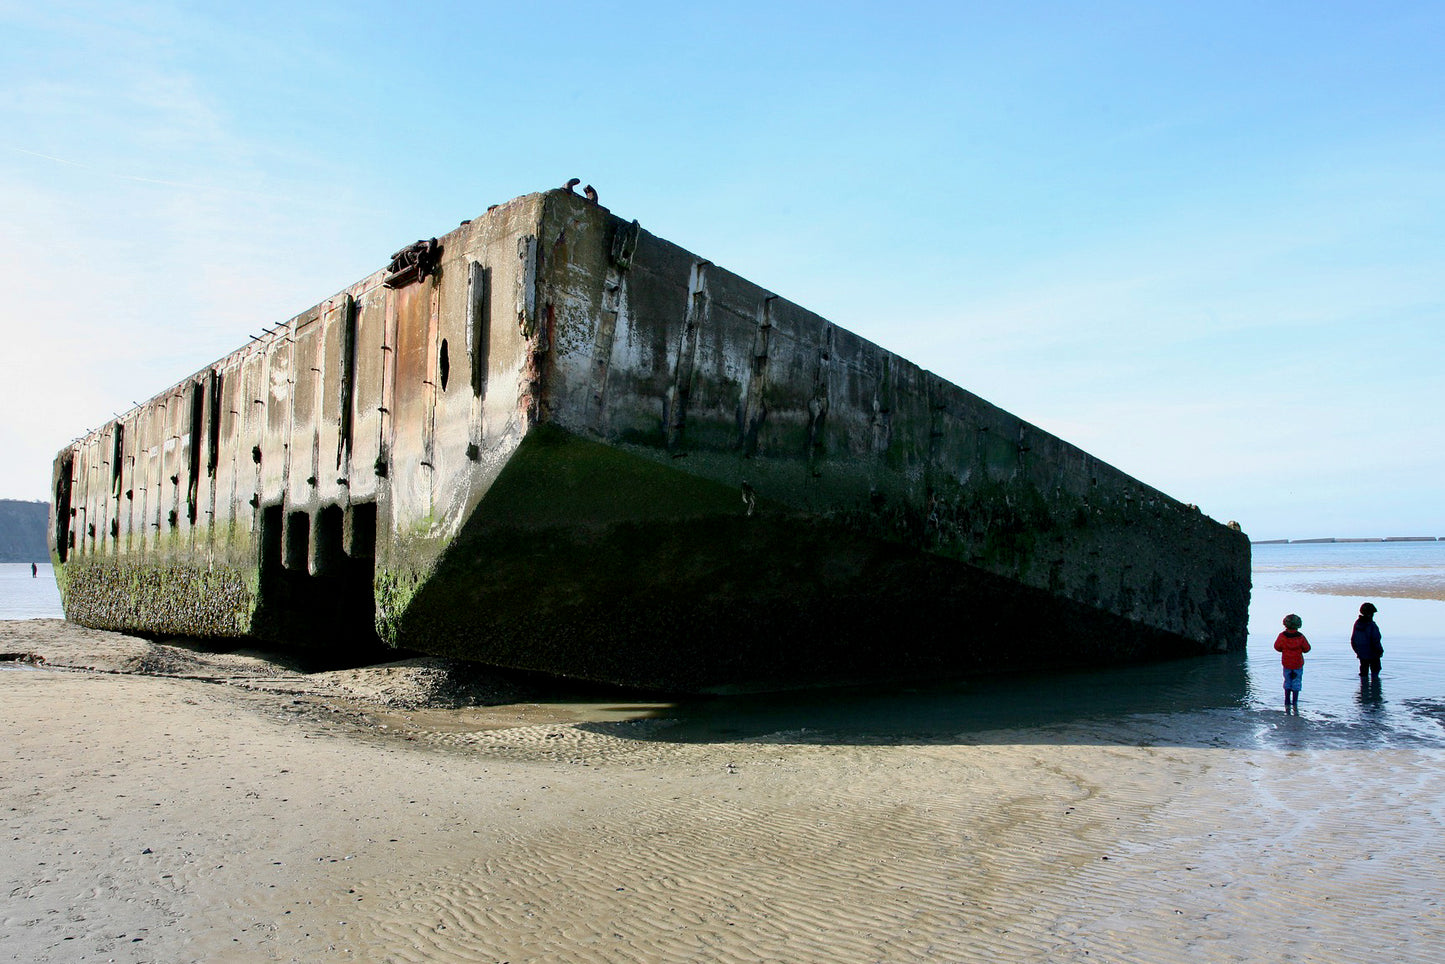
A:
[1306,579]
[23,596]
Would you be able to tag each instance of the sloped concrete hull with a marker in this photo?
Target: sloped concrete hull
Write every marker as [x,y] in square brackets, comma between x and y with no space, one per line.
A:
[673,584]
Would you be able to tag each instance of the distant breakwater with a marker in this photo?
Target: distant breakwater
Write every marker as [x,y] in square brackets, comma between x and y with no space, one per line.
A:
[1279,542]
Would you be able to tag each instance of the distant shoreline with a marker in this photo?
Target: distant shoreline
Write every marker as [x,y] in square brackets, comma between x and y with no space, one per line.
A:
[1330,539]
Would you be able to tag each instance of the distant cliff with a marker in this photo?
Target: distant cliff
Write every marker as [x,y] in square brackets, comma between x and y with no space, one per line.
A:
[22,531]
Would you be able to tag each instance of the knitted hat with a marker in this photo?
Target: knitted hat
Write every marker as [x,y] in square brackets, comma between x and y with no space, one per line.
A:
[1368,609]
[1293,622]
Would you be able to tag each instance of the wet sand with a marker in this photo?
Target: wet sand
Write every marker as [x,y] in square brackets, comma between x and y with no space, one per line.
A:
[1413,587]
[234,808]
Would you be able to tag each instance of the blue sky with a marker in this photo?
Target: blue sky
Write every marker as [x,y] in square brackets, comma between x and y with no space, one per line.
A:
[1205,242]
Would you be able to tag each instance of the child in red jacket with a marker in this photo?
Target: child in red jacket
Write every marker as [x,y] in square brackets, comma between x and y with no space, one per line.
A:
[1292,647]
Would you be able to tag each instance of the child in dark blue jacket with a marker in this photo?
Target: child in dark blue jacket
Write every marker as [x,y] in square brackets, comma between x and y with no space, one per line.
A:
[1365,641]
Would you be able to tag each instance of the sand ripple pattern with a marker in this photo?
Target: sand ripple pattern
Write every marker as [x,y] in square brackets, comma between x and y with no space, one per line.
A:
[775,851]
[767,858]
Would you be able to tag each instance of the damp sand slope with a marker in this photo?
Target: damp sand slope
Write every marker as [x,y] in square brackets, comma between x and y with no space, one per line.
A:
[235,810]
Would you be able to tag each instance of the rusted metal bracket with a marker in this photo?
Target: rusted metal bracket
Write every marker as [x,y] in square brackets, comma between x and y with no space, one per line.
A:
[413,263]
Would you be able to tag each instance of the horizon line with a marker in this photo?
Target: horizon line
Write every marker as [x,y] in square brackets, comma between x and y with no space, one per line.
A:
[1329,539]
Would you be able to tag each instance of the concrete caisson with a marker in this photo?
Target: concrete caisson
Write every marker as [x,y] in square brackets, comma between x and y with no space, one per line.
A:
[550,440]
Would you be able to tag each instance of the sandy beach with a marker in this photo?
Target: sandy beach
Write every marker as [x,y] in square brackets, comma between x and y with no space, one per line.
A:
[169,804]
[1418,587]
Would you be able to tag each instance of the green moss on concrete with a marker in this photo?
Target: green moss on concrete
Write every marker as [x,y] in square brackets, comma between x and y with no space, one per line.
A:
[394,590]
[173,599]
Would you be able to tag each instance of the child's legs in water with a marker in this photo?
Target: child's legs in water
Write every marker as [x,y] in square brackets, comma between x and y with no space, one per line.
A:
[1293,682]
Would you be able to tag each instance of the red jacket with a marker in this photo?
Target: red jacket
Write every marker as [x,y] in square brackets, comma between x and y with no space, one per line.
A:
[1292,647]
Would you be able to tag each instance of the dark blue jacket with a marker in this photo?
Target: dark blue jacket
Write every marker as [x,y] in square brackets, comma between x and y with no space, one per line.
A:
[1365,640]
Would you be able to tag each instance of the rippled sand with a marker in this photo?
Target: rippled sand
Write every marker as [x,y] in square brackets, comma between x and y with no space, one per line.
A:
[286,816]
[1427,586]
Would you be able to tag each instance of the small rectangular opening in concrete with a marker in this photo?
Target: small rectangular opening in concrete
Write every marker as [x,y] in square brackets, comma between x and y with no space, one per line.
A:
[328,555]
[361,531]
[271,519]
[298,542]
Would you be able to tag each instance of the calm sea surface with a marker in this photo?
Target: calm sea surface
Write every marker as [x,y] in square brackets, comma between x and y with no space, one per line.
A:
[22,597]
[1229,700]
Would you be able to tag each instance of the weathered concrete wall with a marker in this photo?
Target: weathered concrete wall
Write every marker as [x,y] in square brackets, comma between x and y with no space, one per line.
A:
[290,465]
[575,447]
[679,361]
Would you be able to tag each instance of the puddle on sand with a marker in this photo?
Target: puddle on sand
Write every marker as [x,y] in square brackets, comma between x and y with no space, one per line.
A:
[476,719]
